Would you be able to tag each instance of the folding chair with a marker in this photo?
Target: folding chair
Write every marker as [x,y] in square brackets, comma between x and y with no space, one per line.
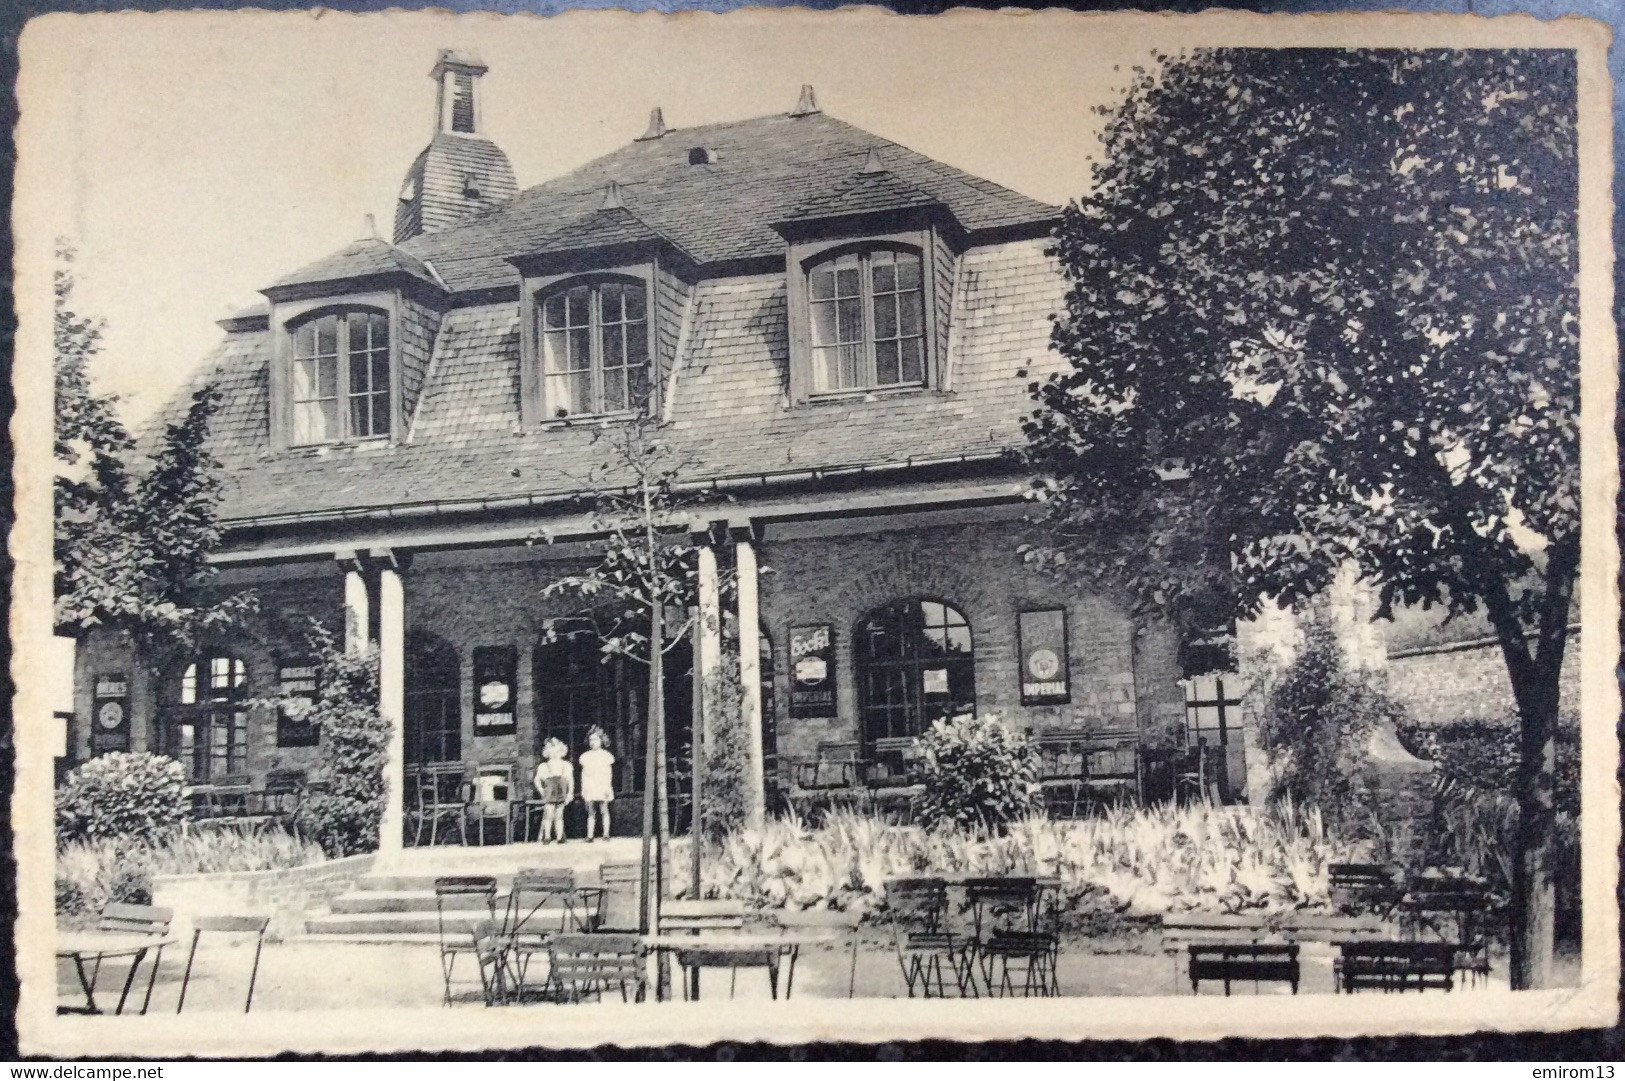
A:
[822,917]
[139,920]
[918,908]
[1012,923]
[254,925]
[618,907]
[534,889]
[482,887]
[587,964]
[442,797]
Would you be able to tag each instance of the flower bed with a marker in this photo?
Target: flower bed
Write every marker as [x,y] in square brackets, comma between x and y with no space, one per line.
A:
[1130,861]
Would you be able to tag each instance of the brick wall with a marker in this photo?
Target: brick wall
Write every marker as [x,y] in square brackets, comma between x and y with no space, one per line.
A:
[1441,684]
[286,895]
[974,568]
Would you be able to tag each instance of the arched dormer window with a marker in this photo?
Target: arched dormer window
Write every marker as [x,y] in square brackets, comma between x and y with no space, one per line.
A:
[594,346]
[867,316]
[339,377]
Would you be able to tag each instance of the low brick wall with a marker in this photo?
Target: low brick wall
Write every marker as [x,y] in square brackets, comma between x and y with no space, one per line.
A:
[285,895]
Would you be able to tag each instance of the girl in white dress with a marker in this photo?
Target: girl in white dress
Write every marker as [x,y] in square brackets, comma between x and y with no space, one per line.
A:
[597,781]
[555,783]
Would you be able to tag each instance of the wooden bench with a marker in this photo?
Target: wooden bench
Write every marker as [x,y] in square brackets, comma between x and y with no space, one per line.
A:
[1230,961]
[1394,966]
[1358,887]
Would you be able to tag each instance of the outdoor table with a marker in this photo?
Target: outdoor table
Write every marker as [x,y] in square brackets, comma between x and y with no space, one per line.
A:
[748,943]
[79,946]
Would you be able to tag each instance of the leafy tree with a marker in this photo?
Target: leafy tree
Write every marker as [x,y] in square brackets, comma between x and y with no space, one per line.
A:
[133,531]
[1322,311]
[647,567]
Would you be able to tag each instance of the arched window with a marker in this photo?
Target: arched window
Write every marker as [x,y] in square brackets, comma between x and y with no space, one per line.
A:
[338,385]
[433,725]
[915,665]
[868,320]
[208,734]
[594,344]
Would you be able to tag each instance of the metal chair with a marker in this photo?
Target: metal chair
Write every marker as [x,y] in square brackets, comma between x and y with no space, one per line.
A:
[580,965]
[136,920]
[442,798]
[492,800]
[918,910]
[1012,923]
[482,888]
[283,792]
[618,905]
[245,925]
[823,917]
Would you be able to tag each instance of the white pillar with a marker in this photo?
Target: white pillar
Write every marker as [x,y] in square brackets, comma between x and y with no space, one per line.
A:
[750,680]
[357,614]
[392,701]
[709,660]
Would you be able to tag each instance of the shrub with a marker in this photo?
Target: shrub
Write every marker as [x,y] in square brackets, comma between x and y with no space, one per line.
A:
[1316,722]
[72,900]
[125,794]
[727,751]
[130,885]
[344,816]
[977,774]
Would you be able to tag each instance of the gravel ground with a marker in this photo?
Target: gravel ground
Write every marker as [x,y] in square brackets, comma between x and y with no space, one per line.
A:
[313,975]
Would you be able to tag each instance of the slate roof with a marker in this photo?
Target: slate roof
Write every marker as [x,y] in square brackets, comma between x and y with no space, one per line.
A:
[863,193]
[364,258]
[766,169]
[729,408]
[601,228]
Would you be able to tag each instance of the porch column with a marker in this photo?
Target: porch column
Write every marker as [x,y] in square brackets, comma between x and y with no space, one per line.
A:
[710,618]
[391,695]
[750,674]
[357,610]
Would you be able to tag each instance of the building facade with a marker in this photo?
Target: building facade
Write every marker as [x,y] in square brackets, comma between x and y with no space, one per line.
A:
[837,333]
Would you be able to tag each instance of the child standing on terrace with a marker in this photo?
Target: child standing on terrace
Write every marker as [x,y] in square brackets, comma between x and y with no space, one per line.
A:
[555,783]
[597,781]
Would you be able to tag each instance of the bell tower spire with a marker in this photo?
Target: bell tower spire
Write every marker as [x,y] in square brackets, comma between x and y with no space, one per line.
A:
[461,171]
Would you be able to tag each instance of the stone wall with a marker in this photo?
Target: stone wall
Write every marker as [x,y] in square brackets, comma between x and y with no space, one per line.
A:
[286,895]
[1469,681]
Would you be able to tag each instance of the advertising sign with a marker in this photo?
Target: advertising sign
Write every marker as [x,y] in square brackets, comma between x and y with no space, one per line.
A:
[494,688]
[110,714]
[297,680]
[1045,677]
[812,670]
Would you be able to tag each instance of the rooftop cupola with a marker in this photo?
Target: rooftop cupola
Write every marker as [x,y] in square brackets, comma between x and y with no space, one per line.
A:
[460,172]
[457,104]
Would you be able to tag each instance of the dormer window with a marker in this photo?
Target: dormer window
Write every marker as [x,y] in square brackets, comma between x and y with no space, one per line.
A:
[867,321]
[594,344]
[339,379]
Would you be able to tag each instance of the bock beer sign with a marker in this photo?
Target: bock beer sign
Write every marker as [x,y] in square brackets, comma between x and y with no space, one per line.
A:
[494,671]
[1045,678]
[297,686]
[110,714]
[812,671]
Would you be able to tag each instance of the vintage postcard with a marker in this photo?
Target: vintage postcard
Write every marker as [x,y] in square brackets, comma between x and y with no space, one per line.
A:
[796,526]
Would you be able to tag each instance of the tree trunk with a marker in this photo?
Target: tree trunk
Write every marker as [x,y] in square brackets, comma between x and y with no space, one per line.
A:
[649,914]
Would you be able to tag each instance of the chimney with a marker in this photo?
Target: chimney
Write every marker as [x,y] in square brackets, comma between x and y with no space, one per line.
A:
[657,126]
[457,105]
[808,103]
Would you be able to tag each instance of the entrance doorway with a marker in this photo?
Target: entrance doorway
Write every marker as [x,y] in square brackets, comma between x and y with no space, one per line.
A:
[579,687]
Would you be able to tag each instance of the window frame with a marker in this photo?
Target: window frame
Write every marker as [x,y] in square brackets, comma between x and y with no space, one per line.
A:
[909,665]
[596,368]
[869,340]
[344,395]
[804,255]
[287,317]
[535,408]
[195,704]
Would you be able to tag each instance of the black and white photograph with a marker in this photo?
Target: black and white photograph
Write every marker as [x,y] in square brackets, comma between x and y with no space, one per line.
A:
[789,525]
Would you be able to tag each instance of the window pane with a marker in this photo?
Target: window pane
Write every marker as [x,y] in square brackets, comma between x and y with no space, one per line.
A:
[849,320]
[360,373]
[826,368]
[885,317]
[851,365]
[886,372]
[637,344]
[823,283]
[580,348]
[327,377]
[846,281]
[189,685]
[638,387]
[569,394]
[613,346]
[380,413]
[304,380]
[361,415]
[634,301]
[315,422]
[580,302]
[327,335]
[553,311]
[380,370]
[913,361]
[885,274]
[823,324]
[614,390]
[908,271]
[910,314]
